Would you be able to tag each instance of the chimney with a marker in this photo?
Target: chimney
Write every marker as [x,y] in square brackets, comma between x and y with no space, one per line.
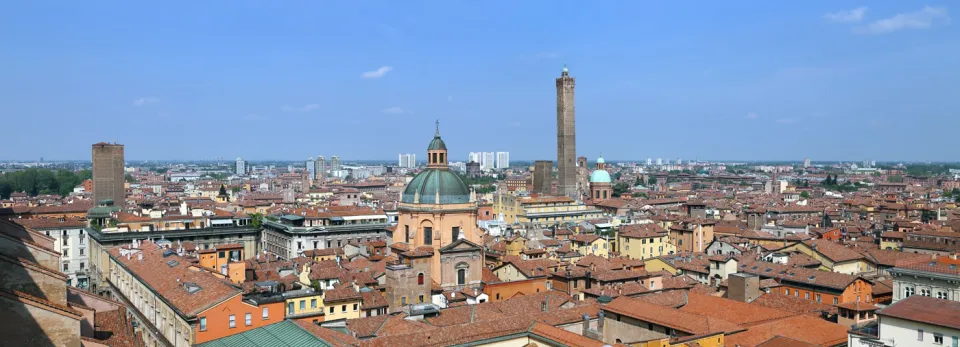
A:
[600,322]
[743,287]
[586,322]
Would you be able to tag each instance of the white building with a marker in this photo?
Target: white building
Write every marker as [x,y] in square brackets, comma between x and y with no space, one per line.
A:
[488,161]
[649,161]
[917,321]
[806,162]
[407,161]
[659,161]
[71,242]
[320,168]
[503,160]
[311,168]
[241,168]
[475,157]
[937,279]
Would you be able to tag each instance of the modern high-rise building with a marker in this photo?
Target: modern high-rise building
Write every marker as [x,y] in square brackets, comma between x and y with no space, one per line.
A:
[321,168]
[659,161]
[108,175]
[408,161]
[806,162]
[311,168]
[679,162]
[475,157]
[241,168]
[488,161]
[649,161]
[566,136]
[503,160]
[335,163]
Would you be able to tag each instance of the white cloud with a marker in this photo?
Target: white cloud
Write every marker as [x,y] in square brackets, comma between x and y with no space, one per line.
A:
[752,115]
[787,121]
[145,100]
[921,19]
[380,72]
[305,108]
[851,16]
[255,117]
[395,110]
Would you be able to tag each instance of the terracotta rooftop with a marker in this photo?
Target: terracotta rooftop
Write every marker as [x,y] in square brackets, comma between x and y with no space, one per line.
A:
[169,276]
[924,309]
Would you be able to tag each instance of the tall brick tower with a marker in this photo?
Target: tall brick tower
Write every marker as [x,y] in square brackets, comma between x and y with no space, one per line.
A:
[108,174]
[566,136]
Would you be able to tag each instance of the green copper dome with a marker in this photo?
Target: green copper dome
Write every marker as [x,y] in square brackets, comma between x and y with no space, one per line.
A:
[600,176]
[430,184]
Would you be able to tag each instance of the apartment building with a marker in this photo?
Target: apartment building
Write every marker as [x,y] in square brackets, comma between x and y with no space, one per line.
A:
[71,241]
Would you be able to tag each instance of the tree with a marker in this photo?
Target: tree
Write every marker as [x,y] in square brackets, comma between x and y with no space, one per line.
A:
[619,189]
[651,181]
[129,178]
[637,182]
[256,219]
[805,195]
[223,190]
[895,178]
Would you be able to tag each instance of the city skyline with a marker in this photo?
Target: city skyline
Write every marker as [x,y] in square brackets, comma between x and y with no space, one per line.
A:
[874,72]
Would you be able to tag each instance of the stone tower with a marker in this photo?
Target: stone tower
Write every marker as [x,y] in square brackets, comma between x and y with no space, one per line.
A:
[566,136]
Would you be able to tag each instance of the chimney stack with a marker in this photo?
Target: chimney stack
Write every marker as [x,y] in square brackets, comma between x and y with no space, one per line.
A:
[743,287]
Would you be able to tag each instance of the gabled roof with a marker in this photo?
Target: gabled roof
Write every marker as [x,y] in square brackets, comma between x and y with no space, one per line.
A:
[460,245]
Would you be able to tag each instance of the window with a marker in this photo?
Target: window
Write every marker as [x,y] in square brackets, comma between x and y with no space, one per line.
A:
[303,305]
[835,301]
[203,323]
[248,319]
[66,252]
[66,267]
[343,308]
[818,298]
[233,321]
[786,291]
[919,334]
[331,309]
[82,265]
[313,303]
[498,296]
[908,291]
[806,295]
[290,308]
[420,279]
[956,341]
[420,299]
[461,277]
[454,234]
[925,292]
[356,306]
[81,251]
[406,229]
[937,339]
[941,295]
[403,302]
[427,236]
[224,254]
[266,313]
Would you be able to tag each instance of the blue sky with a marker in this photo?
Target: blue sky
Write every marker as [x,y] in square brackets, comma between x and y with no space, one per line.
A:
[750,80]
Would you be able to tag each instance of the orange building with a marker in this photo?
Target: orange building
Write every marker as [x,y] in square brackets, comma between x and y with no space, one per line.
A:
[235,316]
[505,290]
[178,303]
[826,287]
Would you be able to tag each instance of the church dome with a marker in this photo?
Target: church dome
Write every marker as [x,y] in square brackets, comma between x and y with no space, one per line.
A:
[430,184]
[600,176]
[436,144]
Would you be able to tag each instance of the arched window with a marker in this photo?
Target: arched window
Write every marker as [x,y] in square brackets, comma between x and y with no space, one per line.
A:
[420,279]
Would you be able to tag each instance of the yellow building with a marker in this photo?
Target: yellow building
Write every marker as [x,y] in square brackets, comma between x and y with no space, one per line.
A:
[342,302]
[546,210]
[515,245]
[644,244]
[304,304]
[658,264]
[590,244]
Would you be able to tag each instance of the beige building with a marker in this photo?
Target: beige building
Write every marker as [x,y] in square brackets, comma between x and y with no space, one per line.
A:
[435,211]
[547,210]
